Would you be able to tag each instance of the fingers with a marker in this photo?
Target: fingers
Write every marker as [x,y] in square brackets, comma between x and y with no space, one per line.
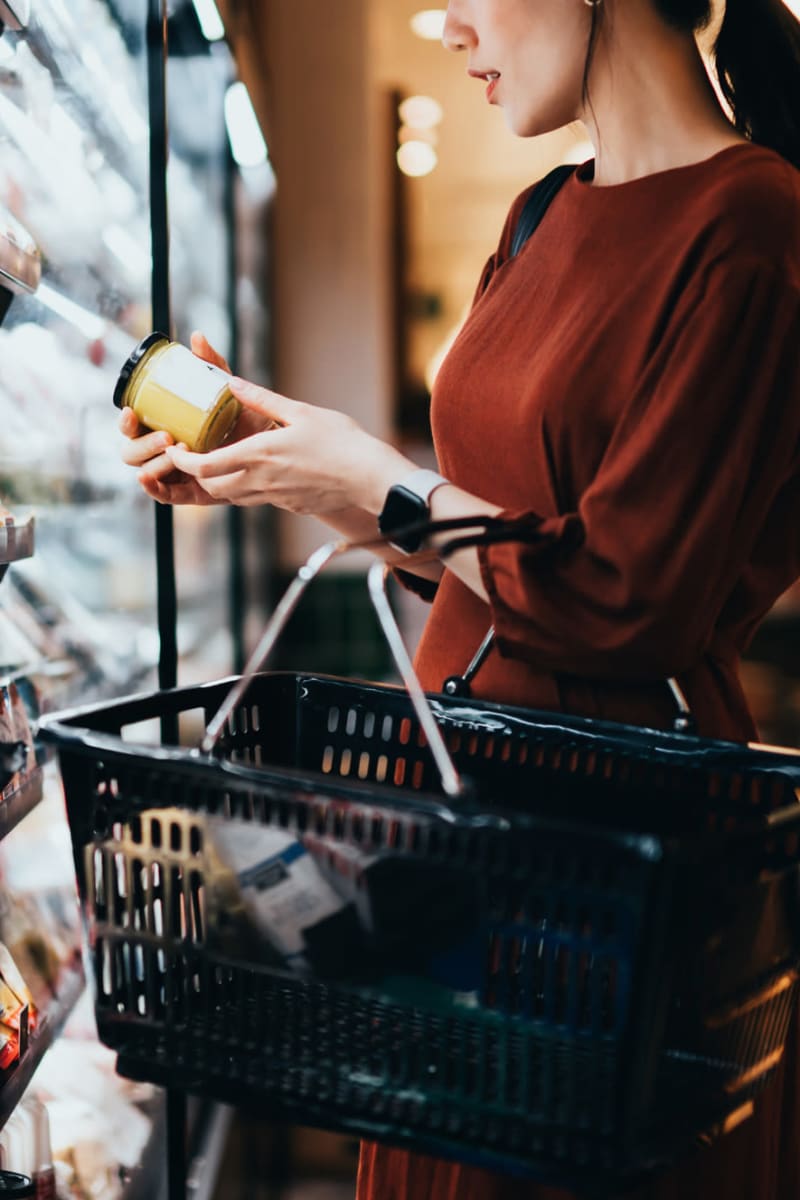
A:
[203,349]
[227,460]
[146,449]
[128,423]
[175,491]
[269,404]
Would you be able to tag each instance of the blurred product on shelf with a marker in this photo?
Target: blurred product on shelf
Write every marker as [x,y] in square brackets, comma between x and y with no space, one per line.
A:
[39,916]
[17,752]
[100,1125]
[18,1011]
[25,1146]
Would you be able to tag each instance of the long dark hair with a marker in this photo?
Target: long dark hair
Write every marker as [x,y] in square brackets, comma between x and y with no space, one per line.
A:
[757,60]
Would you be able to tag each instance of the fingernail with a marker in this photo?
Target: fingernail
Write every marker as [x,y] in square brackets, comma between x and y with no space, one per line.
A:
[240,385]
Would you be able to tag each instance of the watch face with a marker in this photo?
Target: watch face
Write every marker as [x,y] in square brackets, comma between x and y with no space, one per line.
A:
[403,508]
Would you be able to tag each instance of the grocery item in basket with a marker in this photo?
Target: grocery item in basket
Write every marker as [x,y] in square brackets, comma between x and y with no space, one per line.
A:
[312,901]
[173,390]
[265,887]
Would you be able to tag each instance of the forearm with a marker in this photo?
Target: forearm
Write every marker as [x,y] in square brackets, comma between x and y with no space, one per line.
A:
[448,502]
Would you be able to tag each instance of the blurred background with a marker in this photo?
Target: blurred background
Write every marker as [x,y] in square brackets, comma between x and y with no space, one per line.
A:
[333,186]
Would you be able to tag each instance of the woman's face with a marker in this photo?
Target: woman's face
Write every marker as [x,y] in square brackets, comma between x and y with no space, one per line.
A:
[536,49]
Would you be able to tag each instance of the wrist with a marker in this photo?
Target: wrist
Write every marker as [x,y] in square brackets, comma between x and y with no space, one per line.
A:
[389,467]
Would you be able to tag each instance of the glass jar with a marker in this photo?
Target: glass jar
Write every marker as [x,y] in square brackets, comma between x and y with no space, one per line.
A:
[173,390]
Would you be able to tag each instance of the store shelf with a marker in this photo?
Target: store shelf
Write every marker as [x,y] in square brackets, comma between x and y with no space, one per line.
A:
[51,1022]
[21,801]
[16,542]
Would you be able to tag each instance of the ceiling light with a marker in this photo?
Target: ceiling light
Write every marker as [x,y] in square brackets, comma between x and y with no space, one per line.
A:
[210,20]
[429,24]
[416,159]
[421,112]
[247,141]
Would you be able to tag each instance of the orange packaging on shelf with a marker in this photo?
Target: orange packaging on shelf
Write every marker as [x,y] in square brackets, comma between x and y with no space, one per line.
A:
[14,1014]
[9,1049]
[10,972]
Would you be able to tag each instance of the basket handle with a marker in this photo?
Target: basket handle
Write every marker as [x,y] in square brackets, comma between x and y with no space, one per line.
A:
[272,631]
[376,581]
[490,528]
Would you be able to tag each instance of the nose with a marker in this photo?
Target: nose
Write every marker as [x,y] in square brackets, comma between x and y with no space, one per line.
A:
[457,35]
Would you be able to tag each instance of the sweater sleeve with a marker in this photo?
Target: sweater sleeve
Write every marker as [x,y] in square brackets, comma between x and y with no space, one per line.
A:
[631,583]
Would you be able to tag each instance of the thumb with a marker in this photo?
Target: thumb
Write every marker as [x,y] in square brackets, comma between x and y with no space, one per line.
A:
[263,401]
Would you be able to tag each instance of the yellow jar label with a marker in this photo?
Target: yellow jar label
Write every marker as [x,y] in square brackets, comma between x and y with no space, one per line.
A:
[185,375]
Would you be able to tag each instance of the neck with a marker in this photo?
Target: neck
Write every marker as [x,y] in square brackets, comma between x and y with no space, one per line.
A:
[651,106]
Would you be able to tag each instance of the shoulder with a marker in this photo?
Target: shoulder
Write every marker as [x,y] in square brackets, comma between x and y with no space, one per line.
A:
[747,210]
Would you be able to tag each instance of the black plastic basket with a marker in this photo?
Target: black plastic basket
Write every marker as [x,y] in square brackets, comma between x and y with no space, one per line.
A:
[577,969]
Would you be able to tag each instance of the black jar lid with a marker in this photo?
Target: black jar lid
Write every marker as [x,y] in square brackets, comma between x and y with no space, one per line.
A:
[12,1184]
[133,360]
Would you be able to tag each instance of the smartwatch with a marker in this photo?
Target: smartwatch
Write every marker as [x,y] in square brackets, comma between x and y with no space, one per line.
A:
[408,503]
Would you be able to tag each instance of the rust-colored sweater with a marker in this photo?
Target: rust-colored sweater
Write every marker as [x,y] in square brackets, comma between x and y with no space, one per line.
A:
[629,387]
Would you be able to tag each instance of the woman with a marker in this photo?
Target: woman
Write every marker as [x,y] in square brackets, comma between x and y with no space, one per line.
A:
[628,389]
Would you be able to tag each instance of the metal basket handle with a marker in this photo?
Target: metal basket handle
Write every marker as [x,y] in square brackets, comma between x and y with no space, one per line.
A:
[490,527]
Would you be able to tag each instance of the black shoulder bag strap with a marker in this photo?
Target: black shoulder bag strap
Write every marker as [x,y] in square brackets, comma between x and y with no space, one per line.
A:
[530,218]
[537,205]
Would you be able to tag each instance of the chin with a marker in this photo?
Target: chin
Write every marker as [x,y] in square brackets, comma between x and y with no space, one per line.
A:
[528,125]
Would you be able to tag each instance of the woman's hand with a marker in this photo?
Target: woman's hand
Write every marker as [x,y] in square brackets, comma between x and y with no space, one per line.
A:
[317,461]
[147,451]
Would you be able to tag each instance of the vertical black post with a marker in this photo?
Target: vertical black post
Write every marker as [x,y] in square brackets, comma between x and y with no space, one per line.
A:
[176,1145]
[159,227]
[165,542]
[237,599]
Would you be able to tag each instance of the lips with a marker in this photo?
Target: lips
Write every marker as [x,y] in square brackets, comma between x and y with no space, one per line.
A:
[491,78]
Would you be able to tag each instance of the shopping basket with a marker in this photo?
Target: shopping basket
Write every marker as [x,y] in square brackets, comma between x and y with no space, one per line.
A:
[575,967]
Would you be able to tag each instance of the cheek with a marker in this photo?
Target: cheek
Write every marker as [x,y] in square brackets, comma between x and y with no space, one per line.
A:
[549,86]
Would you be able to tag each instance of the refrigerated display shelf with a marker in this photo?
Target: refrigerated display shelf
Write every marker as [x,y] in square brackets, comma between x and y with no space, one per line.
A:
[51,1022]
[17,804]
[89,104]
